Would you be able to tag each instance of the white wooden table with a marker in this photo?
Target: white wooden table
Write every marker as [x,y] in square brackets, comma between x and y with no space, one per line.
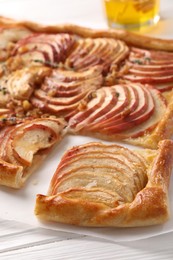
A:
[21,241]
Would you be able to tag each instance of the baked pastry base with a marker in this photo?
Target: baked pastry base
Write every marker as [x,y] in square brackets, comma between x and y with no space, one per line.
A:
[150,206]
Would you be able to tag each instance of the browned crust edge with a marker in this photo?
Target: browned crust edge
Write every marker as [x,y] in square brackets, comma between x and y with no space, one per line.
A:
[149,207]
[15,176]
[126,36]
[10,175]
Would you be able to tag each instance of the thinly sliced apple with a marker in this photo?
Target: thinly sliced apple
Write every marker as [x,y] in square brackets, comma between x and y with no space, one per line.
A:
[95,195]
[89,179]
[149,67]
[115,171]
[29,138]
[120,100]
[54,109]
[103,51]
[80,162]
[33,139]
[51,98]
[141,109]
[124,154]
[54,47]
[21,83]
[131,102]
[149,79]
[92,106]
[19,143]
[95,166]
[57,89]
[68,76]
[59,100]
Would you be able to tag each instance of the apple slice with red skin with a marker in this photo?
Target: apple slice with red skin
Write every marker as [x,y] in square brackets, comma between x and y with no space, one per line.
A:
[46,49]
[53,47]
[153,54]
[114,105]
[148,79]
[153,120]
[57,85]
[61,105]
[115,170]
[21,142]
[68,76]
[110,162]
[92,106]
[144,120]
[103,51]
[30,141]
[82,89]
[97,106]
[40,94]
[116,115]
[54,109]
[153,73]
[103,115]
[142,110]
[60,93]
[123,155]
[149,67]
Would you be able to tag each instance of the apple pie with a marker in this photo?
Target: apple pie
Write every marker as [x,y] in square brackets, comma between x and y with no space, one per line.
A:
[109,185]
[110,84]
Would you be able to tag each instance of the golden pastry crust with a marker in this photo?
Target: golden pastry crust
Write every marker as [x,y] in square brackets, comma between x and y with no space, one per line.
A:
[150,206]
[10,174]
[128,37]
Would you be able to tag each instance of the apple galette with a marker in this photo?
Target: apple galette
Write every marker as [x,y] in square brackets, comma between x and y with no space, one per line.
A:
[113,85]
[109,185]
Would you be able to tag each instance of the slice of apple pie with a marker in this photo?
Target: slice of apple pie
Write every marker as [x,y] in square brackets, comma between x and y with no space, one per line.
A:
[109,185]
[24,146]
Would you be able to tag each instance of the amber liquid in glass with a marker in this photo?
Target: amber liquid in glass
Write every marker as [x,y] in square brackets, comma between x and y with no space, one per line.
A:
[131,13]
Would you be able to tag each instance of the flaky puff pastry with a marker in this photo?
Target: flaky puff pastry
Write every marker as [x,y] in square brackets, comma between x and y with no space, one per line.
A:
[109,185]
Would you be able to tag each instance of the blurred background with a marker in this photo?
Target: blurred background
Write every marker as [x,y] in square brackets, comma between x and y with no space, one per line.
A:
[88,13]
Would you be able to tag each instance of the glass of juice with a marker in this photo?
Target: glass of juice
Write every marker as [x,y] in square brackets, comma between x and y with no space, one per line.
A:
[131,14]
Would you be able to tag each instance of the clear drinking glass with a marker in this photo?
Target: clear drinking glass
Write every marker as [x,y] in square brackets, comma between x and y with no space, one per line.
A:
[131,14]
